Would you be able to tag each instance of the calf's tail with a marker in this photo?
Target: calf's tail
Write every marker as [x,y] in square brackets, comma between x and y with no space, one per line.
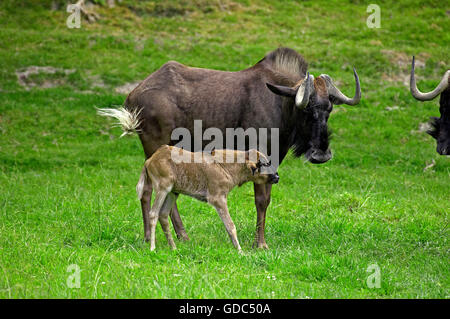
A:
[128,120]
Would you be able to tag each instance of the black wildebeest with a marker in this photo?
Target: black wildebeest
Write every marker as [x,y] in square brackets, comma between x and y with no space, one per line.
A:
[277,92]
[440,126]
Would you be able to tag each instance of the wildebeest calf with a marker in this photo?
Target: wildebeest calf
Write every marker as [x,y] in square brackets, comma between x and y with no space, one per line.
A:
[173,171]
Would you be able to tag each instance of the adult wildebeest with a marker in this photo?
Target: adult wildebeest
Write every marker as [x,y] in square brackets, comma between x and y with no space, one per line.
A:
[440,126]
[276,92]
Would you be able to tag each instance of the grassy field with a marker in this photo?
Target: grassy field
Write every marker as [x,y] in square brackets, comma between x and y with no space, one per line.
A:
[67,181]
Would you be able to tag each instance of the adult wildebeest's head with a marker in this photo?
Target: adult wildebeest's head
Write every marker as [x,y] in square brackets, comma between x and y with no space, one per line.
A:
[314,99]
[440,126]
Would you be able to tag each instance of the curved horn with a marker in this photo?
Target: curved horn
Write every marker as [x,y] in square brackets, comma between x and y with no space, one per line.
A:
[303,92]
[429,95]
[337,96]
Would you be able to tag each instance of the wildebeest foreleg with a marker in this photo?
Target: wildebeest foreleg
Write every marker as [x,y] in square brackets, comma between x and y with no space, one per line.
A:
[262,201]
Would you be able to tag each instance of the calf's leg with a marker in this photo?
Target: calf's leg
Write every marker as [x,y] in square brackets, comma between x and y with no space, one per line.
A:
[145,206]
[160,197]
[151,143]
[262,201]
[174,215]
[164,217]
[220,204]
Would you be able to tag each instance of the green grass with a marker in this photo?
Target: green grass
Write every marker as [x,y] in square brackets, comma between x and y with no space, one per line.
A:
[67,181]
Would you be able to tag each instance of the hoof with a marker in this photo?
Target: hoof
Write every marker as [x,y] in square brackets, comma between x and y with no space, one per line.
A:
[260,245]
[183,237]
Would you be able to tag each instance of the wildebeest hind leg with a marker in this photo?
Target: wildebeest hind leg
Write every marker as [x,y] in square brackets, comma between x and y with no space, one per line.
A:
[178,224]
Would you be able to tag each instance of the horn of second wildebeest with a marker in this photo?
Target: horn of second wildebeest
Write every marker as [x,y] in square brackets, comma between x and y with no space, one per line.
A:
[429,95]
[303,92]
[337,96]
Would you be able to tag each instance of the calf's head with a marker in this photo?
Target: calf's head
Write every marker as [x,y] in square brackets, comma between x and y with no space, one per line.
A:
[440,125]
[314,99]
[260,168]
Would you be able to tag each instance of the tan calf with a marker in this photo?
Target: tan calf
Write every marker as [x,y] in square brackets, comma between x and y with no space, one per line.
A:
[209,180]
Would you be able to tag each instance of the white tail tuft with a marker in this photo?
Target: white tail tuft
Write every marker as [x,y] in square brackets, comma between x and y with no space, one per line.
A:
[141,183]
[129,121]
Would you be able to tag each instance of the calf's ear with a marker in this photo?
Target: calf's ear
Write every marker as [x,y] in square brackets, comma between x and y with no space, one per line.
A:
[251,155]
[282,90]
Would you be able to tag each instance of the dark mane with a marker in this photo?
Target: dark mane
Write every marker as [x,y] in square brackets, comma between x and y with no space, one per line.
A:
[287,62]
[436,123]
[434,127]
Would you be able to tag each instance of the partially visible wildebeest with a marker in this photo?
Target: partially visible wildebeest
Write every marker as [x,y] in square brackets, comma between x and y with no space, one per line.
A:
[209,180]
[440,126]
[277,92]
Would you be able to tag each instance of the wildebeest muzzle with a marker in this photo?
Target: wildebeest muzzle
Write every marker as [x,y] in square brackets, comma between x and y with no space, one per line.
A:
[317,156]
[274,178]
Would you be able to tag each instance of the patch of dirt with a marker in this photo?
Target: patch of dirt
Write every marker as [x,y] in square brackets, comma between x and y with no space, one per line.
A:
[398,77]
[96,80]
[126,88]
[403,62]
[42,76]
